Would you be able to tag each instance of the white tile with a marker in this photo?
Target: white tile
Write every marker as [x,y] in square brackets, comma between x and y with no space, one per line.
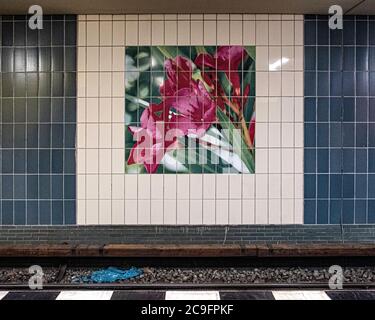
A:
[274,131]
[298,109]
[118,134]
[131,17]
[183,211]
[118,186]
[131,186]
[274,59]
[92,58]
[92,107]
[287,83]
[144,17]
[92,212]
[298,186]
[298,58]
[209,211]
[298,81]
[287,53]
[196,32]
[287,105]
[262,33]
[222,185]
[298,160]
[105,17]
[222,32]
[144,211]
[222,212]
[131,33]
[170,214]
[192,295]
[287,160]
[105,58]
[275,33]
[105,33]
[170,32]
[157,183]
[118,113]
[274,109]
[81,17]
[275,85]
[261,185]
[81,84]
[81,212]
[81,136]
[274,211]
[287,135]
[157,211]
[287,17]
[223,16]
[92,33]
[248,211]
[183,185]
[92,186]
[298,211]
[92,163]
[81,186]
[274,160]
[263,17]
[118,36]
[92,138]
[92,83]
[131,211]
[209,180]
[274,186]
[3,294]
[92,17]
[209,37]
[105,89]
[196,211]
[275,17]
[262,84]
[235,186]
[157,36]
[105,212]
[235,211]
[144,33]
[248,186]
[183,32]
[287,186]
[104,161]
[261,129]
[261,211]
[118,212]
[105,140]
[300,295]
[298,33]
[81,34]
[85,295]
[118,84]
[287,33]
[235,35]
[262,160]
[249,32]
[262,58]
[144,186]
[249,16]
[196,186]
[81,59]
[105,110]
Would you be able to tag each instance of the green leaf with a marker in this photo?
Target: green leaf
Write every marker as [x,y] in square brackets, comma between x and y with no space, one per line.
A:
[251,52]
[168,52]
[136,100]
[200,49]
[236,139]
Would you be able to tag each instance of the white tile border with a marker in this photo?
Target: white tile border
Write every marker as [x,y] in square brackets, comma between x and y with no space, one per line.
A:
[85,295]
[3,294]
[300,295]
[192,295]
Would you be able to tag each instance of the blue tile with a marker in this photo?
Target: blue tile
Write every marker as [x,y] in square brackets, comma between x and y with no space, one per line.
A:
[349,32]
[19,187]
[69,212]
[371,160]
[310,33]
[323,186]
[336,105]
[361,160]
[349,110]
[361,186]
[335,58]
[20,212]
[70,136]
[7,212]
[310,83]
[310,135]
[372,58]
[45,212]
[348,160]
[310,161]
[19,161]
[371,134]
[335,160]
[371,211]
[372,33]
[32,217]
[348,186]
[335,211]
[362,59]
[372,84]
[322,212]
[32,136]
[323,84]
[371,186]
[57,110]
[323,32]
[69,161]
[335,185]
[322,134]
[7,161]
[362,81]
[335,135]
[310,212]
[69,187]
[348,211]
[361,135]
[310,109]
[361,32]
[323,109]
[360,211]
[323,161]
[348,134]
[349,58]
[361,109]
[372,109]
[348,83]
[323,58]
[45,186]
[57,161]
[32,186]
[57,212]
[7,186]
[44,161]
[310,58]
[32,161]
[57,186]
[335,84]
[310,186]
[336,37]
[57,135]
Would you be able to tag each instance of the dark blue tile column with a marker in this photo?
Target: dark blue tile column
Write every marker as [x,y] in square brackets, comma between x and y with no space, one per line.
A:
[339,121]
[37,121]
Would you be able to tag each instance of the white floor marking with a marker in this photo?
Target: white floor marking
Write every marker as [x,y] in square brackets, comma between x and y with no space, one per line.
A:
[300,295]
[3,294]
[85,295]
[192,295]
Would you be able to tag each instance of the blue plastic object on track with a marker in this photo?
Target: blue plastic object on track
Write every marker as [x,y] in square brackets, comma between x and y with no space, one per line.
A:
[112,274]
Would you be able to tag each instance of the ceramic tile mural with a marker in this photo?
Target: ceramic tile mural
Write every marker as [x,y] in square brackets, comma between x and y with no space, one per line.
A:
[190,109]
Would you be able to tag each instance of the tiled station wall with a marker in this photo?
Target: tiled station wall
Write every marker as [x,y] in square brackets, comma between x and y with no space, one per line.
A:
[340,121]
[37,121]
[106,195]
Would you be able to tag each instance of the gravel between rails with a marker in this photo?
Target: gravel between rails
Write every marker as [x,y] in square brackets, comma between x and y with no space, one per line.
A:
[201,275]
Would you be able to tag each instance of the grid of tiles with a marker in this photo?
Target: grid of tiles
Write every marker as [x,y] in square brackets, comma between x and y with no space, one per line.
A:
[106,195]
[38,121]
[339,121]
